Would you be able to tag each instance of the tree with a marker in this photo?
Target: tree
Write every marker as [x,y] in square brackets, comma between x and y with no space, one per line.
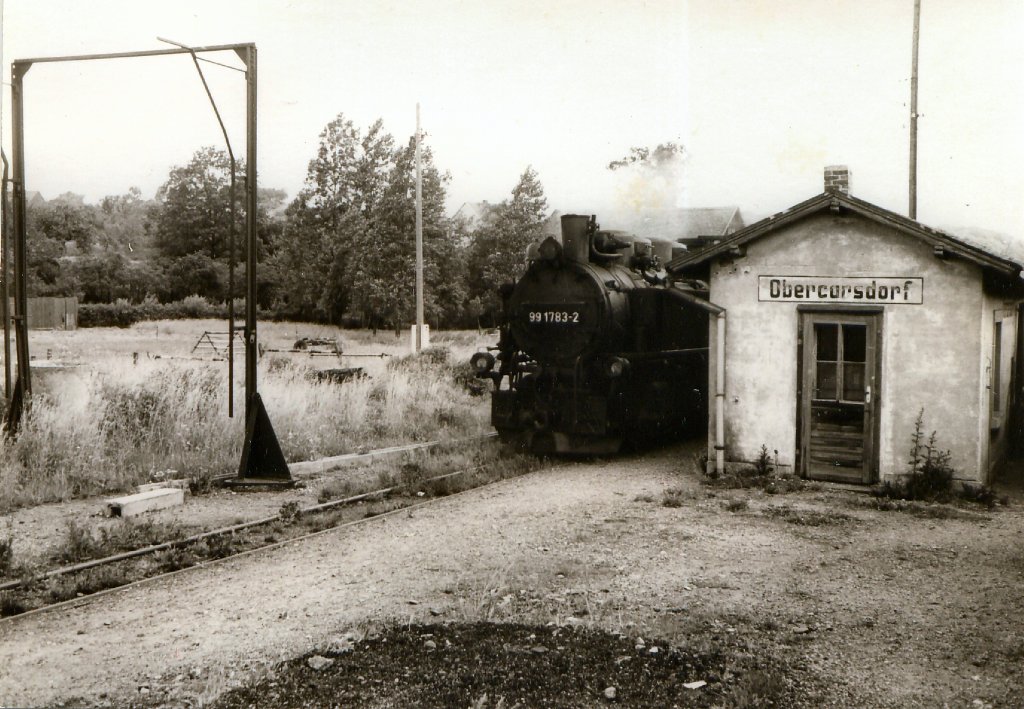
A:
[67,219]
[194,209]
[101,277]
[383,262]
[192,217]
[497,252]
[194,274]
[344,183]
[50,227]
[124,226]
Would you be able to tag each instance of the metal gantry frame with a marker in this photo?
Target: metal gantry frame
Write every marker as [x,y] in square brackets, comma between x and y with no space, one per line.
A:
[262,460]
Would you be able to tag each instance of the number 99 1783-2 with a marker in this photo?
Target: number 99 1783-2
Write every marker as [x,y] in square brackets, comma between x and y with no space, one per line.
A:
[554,316]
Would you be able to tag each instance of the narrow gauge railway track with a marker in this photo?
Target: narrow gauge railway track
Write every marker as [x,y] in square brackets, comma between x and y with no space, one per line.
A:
[31,595]
[318,466]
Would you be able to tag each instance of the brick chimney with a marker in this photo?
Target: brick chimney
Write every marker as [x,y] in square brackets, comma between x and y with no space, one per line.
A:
[837,179]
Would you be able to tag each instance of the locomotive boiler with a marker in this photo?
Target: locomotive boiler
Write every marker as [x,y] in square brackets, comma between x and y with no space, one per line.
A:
[598,346]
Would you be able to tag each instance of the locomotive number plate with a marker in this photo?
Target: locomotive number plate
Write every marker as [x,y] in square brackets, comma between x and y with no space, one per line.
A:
[565,314]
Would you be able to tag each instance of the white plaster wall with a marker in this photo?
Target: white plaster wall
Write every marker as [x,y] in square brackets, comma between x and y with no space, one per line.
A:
[930,356]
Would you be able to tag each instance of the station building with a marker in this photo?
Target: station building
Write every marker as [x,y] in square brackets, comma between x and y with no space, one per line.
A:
[843,322]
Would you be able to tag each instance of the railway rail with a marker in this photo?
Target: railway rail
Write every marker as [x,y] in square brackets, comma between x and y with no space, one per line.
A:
[284,523]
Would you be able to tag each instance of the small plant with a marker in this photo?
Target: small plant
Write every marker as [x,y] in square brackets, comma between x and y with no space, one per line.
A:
[79,543]
[440,488]
[756,689]
[762,473]
[736,504]
[930,475]
[220,546]
[412,475]
[336,489]
[64,588]
[6,554]
[11,604]
[700,465]
[980,494]
[201,483]
[806,518]
[672,497]
[764,464]
[174,559]
[290,512]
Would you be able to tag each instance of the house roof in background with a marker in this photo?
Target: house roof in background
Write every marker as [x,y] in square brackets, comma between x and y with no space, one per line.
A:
[676,223]
[474,212]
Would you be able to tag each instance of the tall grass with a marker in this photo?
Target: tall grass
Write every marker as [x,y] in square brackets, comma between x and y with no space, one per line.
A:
[115,425]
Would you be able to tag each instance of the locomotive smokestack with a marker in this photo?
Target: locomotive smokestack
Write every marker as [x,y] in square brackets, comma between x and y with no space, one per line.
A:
[575,237]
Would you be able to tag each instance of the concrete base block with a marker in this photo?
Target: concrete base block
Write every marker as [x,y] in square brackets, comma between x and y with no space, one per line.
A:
[179,483]
[132,505]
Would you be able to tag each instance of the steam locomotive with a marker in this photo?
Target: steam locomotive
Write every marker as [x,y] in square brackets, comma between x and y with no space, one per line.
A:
[598,346]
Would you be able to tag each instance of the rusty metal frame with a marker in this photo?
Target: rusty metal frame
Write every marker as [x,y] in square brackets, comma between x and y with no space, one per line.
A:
[261,455]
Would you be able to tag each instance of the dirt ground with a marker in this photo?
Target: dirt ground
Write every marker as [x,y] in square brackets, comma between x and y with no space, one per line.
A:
[857,606]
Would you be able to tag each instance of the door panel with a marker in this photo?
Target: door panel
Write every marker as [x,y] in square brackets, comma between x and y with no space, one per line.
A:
[839,368]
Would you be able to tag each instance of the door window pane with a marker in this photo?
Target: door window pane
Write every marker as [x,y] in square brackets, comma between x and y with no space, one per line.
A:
[854,343]
[853,381]
[825,387]
[841,351]
[827,335]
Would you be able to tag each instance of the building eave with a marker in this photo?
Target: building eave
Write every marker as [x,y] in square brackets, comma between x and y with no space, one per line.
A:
[942,242]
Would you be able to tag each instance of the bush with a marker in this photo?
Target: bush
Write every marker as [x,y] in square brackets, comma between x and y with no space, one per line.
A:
[120,313]
[123,313]
[196,306]
[930,475]
[673,497]
[6,555]
[438,359]
[465,377]
[980,494]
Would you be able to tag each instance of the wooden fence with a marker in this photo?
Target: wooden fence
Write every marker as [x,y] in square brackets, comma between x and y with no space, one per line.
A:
[51,313]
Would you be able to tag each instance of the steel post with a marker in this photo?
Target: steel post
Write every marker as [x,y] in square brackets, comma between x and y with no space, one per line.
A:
[24,380]
[5,276]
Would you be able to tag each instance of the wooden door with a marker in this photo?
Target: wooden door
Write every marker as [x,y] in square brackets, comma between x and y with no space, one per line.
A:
[838,396]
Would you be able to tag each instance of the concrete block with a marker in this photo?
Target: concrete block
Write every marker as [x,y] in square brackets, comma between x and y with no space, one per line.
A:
[179,483]
[132,505]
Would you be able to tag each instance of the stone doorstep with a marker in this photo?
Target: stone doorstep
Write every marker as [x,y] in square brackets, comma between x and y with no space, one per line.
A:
[132,505]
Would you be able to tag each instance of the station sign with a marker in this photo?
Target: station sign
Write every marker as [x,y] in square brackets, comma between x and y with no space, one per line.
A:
[857,290]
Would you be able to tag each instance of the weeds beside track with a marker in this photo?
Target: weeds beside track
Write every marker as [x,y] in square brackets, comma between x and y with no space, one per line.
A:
[35,589]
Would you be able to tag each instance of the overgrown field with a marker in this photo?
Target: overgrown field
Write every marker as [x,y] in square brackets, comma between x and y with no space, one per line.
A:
[108,418]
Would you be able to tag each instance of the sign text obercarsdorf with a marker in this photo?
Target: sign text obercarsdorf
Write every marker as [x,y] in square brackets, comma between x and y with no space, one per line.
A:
[853,289]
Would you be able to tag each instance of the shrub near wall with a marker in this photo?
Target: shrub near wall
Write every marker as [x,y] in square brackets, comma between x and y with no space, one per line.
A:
[122,313]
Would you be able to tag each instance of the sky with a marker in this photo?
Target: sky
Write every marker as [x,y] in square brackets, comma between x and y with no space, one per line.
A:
[763,94]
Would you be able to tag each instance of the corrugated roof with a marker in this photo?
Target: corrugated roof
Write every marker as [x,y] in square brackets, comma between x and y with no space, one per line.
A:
[840,201]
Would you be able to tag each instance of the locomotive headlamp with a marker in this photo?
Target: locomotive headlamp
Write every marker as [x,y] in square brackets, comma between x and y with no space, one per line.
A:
[617,366]
[482,362]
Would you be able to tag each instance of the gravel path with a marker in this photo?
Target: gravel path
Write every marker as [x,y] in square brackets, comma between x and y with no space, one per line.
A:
[872,608]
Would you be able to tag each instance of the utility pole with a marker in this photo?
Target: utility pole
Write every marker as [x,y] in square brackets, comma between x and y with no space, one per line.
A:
[419,239]
[5,287]
[912,211]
